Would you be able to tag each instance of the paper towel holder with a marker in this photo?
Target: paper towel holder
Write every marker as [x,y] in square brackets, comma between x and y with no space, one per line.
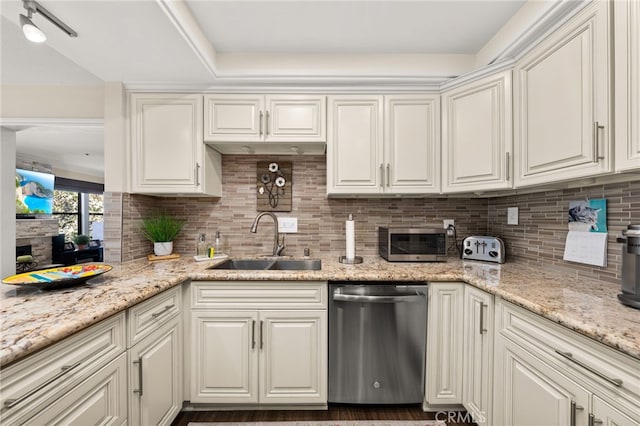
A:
[345,260]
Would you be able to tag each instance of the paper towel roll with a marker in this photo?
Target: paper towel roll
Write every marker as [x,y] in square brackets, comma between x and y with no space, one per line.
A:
[350,234]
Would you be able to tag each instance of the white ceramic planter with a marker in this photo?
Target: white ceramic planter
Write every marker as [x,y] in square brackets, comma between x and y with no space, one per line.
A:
[163,249]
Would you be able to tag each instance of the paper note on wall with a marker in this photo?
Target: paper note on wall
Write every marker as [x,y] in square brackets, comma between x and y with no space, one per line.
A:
[586,247]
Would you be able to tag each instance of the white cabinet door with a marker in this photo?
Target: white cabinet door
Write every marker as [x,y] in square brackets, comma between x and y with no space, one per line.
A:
[607,415]
[100,400]
[444,343]
[627,84]
[477,368]
[293,357]
[295,118]
[528,392]
[477,135]
[355,145]
[155,376]
[260,118]
[412,144]
[167,150]
[562,103]
[224,357]
[234,118]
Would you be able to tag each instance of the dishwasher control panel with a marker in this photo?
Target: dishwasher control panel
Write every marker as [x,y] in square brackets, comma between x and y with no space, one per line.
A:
[489,249]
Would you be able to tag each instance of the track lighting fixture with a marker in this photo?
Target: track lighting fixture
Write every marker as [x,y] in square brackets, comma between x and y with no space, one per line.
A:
[31,31]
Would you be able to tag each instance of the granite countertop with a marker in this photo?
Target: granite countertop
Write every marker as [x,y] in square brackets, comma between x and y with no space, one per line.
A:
[33,319]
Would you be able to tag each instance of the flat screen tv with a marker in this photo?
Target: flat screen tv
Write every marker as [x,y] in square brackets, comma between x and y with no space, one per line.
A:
[34,193]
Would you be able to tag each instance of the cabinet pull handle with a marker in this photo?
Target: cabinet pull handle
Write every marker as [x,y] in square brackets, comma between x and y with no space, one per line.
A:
[197,174]
[266,123]
[508,166]
[260,125]
[253,334]
[574,408]
[596,142]
[261,335]
[569,356]
[482,329]
[381,174]
[388,174]
[139,364]
[65,369]
[593,421]
[166,308]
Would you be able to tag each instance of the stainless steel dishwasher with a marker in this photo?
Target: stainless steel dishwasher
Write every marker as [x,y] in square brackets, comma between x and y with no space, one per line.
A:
[377,342]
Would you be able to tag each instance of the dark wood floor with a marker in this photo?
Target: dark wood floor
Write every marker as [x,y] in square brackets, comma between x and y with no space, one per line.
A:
[335,412]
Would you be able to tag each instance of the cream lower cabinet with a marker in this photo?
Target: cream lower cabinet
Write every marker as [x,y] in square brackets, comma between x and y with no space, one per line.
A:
[477,142]
[258,356]
[444,344]
[562,107]
[155,376]
[547,374]
[627,84]
[78,381]
[477,358]
[383,144]
[168,154]
[155,359]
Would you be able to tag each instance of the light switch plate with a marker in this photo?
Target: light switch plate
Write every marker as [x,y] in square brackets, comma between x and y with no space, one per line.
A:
[512,216]
[288,225]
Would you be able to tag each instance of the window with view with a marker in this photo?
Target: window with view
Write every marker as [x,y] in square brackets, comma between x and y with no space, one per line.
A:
[79,207]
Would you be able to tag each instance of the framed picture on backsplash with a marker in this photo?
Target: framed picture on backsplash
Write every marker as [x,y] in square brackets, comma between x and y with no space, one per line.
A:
[588,215]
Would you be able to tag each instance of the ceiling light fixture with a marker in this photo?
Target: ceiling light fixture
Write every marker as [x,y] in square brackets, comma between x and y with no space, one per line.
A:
[31,31]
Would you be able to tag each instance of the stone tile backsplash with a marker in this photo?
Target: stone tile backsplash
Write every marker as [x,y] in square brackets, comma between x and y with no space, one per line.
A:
[538,239]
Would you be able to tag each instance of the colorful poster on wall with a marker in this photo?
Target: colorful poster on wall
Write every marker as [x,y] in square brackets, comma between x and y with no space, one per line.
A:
[588,215]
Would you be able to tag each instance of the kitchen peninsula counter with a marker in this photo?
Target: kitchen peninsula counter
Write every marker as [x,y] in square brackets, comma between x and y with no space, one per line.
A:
[34,319]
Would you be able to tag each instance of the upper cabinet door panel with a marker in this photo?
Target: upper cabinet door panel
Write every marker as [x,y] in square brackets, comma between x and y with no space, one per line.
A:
[295,118]
[234,118]
[167,141]
[627,84]
[563,106]
[412,148]
[477,135]
[354,145]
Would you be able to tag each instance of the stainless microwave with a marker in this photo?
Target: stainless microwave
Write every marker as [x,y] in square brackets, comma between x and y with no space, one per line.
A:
[400,244]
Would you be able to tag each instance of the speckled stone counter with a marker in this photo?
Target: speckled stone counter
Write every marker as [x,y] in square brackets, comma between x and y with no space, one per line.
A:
[33,319]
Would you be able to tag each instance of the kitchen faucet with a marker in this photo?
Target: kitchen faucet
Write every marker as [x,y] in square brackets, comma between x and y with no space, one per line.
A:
[277,247]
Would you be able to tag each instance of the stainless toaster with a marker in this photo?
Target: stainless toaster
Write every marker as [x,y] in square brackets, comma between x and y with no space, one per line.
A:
[488,249]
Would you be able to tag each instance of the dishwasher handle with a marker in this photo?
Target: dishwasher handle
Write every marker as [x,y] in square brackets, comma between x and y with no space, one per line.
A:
[341,297]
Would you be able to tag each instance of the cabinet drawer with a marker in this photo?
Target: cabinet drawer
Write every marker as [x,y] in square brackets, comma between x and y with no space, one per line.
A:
[258,294]
[584,359]
[42,378]
[146,317]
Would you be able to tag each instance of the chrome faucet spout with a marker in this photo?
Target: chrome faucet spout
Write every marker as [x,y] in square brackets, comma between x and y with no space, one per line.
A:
[277,247]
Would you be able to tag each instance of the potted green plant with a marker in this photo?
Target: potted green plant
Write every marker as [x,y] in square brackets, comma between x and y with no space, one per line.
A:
[161,229]
[81,241]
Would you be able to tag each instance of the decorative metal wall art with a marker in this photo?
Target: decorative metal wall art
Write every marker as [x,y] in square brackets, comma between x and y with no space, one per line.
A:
[274,187]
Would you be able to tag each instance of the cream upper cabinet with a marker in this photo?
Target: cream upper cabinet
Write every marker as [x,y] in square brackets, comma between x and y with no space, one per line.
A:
[167,150]
[260,118]
[562,102]
[383,145]
[627,84]
[477,135]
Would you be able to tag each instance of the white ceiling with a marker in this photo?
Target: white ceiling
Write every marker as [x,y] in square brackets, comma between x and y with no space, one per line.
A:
[189,42]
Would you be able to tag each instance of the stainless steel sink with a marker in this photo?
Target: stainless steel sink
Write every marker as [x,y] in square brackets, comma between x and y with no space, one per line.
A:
[297,265]
[270,264]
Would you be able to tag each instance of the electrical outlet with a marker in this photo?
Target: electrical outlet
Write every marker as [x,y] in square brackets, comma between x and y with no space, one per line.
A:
[446,223]
[512,216]
[288,225]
